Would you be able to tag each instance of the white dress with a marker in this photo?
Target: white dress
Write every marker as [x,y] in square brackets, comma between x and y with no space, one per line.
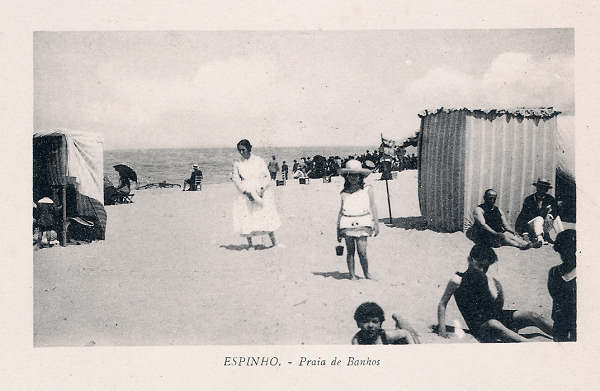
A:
[250,217]
[356,219]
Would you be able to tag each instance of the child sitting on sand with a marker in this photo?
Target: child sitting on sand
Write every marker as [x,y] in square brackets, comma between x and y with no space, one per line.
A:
[480,300]
[369,318]
[562,286]
[357,218]
[46,222]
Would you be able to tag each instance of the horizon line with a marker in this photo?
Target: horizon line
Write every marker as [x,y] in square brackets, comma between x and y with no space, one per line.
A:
[258,147]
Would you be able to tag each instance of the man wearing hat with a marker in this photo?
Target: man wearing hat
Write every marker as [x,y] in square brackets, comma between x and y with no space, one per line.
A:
[196,173]
[539,214]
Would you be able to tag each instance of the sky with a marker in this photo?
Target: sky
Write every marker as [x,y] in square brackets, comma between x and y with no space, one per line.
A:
[288,88]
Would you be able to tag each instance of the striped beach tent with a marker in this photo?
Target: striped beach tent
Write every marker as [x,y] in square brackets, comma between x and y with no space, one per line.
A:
[68,166]
[463,152]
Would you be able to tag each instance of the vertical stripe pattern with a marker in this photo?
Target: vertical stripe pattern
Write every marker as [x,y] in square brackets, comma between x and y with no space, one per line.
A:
[441,170]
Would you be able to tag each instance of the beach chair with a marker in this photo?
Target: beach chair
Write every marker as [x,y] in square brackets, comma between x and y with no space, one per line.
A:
[197,185]
[122,198]
[128,198]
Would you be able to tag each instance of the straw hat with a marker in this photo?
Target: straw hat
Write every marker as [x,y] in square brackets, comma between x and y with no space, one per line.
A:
[194,165]
[354,167]
[542,183]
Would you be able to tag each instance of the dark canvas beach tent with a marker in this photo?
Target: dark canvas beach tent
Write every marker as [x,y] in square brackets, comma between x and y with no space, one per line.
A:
[565,167]
[463,152]
[68,166]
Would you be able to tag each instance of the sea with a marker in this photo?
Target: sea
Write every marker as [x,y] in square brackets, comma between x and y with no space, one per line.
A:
[175,165]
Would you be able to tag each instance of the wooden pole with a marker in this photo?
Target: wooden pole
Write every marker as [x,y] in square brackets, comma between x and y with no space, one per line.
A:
[388,199]
[64,215]
[63,147]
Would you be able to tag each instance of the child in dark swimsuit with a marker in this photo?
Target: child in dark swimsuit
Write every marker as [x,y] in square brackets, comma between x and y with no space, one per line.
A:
[562,286]
[369,318]
[480,301]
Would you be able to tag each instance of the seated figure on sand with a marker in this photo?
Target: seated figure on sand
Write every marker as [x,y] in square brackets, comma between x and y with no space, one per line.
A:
[480,301]
[46,220]
[491,227]
[369,318]
[192,182]
[299,173]
[539,215]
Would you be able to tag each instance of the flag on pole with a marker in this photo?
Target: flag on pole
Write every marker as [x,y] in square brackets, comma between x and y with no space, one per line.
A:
[387,147]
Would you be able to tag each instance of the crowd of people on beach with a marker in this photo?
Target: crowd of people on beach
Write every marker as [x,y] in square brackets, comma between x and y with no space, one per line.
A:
[479,297]
[323,167]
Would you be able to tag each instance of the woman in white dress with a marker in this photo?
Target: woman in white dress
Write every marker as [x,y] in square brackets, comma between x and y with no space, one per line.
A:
[254,211]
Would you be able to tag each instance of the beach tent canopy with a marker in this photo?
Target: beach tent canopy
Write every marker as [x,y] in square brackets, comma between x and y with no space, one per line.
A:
[463,152]
[565,146]
[73,160]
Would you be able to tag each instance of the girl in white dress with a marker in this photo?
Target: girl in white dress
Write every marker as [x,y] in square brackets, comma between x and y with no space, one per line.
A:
[357,219]
[254,211]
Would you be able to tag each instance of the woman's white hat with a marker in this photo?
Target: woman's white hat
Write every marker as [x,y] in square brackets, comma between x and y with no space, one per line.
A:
[354,167]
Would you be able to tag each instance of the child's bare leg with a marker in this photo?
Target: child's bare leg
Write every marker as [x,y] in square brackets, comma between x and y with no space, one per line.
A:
[350,257]
[361,248]
[530,318]
[495,329]
[404,324]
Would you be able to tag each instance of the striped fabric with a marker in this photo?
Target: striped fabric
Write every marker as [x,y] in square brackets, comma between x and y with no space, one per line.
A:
[49,163]
[441,171]
[92,210]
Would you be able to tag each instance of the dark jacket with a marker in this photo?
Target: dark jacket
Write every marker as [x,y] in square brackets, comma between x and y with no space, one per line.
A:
[530,211]
[192,181]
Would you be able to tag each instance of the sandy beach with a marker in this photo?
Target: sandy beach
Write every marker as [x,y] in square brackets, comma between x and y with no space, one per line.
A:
[172,272]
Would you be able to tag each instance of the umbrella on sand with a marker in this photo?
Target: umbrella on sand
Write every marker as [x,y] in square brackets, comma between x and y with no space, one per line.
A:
[126,171]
